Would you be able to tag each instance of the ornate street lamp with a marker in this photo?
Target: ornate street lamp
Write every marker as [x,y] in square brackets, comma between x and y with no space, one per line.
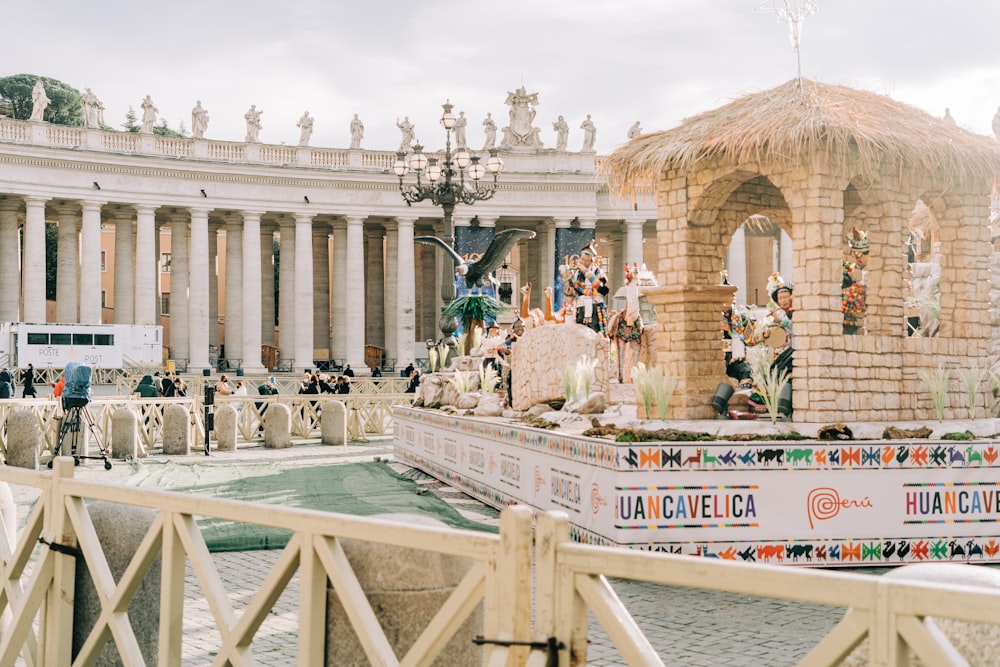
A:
[458,180]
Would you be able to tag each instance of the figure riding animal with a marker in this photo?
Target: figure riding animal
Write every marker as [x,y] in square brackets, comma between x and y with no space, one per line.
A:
[625,329]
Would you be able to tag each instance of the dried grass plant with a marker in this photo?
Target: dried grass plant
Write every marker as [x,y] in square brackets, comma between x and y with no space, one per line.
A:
[937,380]
[971,378]
[654,384]
[489,379]
[568,374]
[768,381]
[462,381]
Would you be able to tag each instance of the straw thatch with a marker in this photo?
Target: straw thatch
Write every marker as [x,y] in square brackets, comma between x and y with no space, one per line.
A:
[784,124]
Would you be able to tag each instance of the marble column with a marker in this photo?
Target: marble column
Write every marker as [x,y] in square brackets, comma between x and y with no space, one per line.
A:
[67,265]
[147,273]
[405,295]
[321,289]
[33,287]
[286,291]
[124,299]
[198,289]
[90,263]
[375,289]
[158,284]
[180,312]
[355,291]
[10,262]
[391,306]
[251,293]
[213,290]
[633,241]
[267,285]
[303,292]
[234,287]
[338,292]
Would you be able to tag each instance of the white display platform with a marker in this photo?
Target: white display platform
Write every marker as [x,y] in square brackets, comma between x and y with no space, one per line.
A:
[836,503]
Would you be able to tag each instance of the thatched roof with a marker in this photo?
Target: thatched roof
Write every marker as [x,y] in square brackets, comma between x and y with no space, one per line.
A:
[782,124]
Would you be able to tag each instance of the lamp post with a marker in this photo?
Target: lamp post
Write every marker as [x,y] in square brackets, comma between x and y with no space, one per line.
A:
[457,180]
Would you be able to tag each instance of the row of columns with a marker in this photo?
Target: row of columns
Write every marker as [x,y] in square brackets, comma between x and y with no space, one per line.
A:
[305,285]
[315,311]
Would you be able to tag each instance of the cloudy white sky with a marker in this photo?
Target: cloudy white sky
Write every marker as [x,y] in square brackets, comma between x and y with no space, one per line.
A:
[655,61]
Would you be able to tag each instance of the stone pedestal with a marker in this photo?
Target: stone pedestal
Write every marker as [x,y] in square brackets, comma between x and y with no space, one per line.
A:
[176,434]
[23,439]
[405,587]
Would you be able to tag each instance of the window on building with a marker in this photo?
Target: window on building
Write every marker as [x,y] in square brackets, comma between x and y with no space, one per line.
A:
[165,303]
[164,262]
[104,296]
[104,261]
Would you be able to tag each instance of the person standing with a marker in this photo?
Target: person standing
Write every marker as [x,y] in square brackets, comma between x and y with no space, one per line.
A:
[222,387]
[590,286]
[348,371]
[28,381]
[6,384]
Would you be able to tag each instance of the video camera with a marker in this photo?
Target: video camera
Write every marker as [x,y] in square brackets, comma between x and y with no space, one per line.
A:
[77,392]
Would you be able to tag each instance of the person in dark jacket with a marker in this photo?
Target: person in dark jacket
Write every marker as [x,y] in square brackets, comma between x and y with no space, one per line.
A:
[146,388]
[28,382]
[6,385]
[349,372]
[343,385]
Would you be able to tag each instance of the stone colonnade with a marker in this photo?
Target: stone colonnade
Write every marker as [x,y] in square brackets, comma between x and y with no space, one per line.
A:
[370,287]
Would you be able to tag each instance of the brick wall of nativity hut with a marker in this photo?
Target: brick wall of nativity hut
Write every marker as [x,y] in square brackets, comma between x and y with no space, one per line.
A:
[820,161]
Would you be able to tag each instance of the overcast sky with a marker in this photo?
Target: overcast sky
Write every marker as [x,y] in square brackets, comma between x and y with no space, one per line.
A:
[655,61]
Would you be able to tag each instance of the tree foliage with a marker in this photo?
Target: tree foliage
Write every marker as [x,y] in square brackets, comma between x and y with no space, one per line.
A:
[64,107]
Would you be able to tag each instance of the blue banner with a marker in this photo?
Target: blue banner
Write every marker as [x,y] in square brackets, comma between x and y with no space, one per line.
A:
[569,242]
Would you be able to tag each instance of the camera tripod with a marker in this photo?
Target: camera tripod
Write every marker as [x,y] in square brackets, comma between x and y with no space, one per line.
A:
[77,413]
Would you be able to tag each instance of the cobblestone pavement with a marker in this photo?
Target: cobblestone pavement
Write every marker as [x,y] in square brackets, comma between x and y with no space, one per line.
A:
[689,627]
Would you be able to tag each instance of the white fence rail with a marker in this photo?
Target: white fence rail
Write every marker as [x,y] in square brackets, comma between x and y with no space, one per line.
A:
[570,581]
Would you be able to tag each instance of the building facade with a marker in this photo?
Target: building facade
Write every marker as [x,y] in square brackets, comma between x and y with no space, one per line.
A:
[182,232]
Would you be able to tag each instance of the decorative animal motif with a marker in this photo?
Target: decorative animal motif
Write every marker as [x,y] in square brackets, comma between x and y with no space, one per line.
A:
[973,549]
[796,551]
[902,549]
[693,459]
[626,329]
[972,456]
[480,273]
[955,549]
[955,456]
[729,458]
[747,554]
[532,317]
[765,456]
[548,316]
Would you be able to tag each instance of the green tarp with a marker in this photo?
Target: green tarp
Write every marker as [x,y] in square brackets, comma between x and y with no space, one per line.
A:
[359,489]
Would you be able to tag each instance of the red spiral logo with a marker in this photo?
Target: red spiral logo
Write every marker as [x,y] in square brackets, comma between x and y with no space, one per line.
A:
[822,504]
[596,499]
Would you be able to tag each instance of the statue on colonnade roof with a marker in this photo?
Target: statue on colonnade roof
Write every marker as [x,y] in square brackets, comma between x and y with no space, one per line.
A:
[521,133]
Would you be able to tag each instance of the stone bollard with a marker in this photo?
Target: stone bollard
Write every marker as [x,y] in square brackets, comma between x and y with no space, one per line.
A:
[24,440]
[225,428]
[124,434]
[120,529]
[278,426]
[978,643]
[405,587]
[333,423]
[176,434]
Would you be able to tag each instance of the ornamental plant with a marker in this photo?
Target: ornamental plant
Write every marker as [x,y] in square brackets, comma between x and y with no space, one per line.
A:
[489,379]
[643,384]
[568,374]
[473,310]
[585,375]
[937,385]
[462,381]
[971,378]
[432,359]
[768,381]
